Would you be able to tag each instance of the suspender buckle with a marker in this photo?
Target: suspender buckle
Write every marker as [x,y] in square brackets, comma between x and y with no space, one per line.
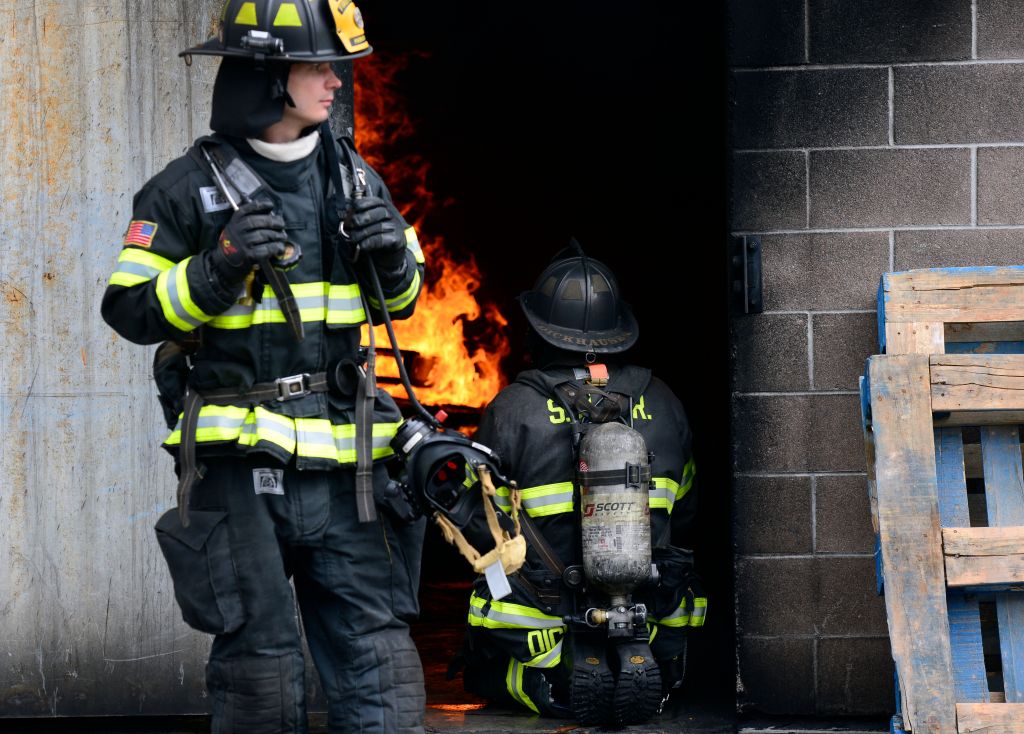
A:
[290,388]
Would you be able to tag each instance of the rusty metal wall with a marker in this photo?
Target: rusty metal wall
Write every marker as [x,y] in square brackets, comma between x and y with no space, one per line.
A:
[94,101]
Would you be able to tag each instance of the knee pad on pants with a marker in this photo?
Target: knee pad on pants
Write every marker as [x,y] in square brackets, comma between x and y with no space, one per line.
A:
[257,694]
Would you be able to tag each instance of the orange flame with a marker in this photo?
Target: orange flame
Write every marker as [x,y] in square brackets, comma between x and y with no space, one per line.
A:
[451,371]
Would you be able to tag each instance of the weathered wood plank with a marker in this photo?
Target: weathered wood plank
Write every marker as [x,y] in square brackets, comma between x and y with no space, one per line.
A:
[953,295]
[996,331]
[983,556]
[990,718]
[979,418]
[969,678]
[908,518]
[919,337]
[869,449]
[1004,498]
[977,382]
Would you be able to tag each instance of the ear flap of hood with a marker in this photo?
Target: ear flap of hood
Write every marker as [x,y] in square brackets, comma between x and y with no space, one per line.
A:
[248,99]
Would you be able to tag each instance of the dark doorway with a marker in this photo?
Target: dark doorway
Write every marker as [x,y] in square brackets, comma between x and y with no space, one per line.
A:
[560,120]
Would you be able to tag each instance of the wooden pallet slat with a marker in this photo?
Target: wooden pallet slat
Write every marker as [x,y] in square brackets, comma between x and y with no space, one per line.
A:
[990,718]
[977,382]
[977,557]
[1001,458]
[906,486]
[969,679]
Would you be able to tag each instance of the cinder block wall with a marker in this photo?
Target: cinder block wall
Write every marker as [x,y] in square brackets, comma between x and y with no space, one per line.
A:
[865,136]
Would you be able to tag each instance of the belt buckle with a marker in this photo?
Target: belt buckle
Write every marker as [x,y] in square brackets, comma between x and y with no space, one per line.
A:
[290,388]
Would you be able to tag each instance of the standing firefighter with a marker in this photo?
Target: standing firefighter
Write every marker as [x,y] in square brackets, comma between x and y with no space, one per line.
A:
[596,622]
[255,257]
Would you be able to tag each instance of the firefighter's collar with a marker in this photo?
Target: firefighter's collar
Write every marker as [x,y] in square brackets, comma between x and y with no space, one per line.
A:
[286,152]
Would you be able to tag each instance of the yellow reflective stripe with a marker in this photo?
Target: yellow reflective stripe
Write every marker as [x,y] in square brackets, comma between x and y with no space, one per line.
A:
[689,472]
[403,299]
[471,477]
[175,299]
[700,610]
[547,499]
[413,243]
[127,279]
[514,683]
[308,437]
[503,498]
[506,615]
[145,258]
[136,266]
[652,631]
[547,659]
[320,301]
[663,494]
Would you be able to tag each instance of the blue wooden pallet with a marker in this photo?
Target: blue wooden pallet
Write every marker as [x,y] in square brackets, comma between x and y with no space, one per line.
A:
[942,684]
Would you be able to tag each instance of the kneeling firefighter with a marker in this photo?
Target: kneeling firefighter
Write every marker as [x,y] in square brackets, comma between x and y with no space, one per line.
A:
[594,625]
[259,254]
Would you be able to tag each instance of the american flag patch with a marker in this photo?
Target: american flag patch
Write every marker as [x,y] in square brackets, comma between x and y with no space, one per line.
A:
[140,233]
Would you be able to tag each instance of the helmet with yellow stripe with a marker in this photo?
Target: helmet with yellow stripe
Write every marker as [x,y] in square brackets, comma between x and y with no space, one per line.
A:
[288,30]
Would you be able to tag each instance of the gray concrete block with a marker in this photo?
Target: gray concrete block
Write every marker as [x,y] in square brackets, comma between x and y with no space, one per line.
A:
[842,342]
[848,603]
[769,352]
[823,271]
[889,30]
[871,188]
[795,109]
[1000,182]
[843,515]
[855,676]
[976,103]
[768,191]
[958,248]
[1000,29]
[776,676]
[797,433]
[774,596]
[766,32]
[772,515]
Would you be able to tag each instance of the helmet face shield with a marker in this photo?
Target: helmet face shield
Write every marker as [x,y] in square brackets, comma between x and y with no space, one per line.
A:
[288,30]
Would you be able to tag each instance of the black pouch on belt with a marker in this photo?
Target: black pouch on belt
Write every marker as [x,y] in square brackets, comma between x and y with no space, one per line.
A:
[170,373]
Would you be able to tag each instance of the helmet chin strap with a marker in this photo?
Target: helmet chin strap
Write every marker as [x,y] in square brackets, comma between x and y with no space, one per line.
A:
[281,90]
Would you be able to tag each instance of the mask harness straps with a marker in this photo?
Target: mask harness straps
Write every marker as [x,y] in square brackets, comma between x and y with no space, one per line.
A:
[366,393]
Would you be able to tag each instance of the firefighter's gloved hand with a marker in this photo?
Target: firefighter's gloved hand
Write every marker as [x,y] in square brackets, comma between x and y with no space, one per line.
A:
[253,233]
[379,234]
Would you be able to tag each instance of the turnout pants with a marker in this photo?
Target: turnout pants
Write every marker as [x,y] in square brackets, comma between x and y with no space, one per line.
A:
[253,526]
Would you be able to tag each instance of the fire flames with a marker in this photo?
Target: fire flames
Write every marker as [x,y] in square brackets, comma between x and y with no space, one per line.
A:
[448,371]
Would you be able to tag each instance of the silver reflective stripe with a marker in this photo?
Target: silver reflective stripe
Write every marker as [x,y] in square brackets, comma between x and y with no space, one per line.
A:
[516,620]
[336,303]
[551,499]
[139,269]
[348,443]
[550,659]
[175,298]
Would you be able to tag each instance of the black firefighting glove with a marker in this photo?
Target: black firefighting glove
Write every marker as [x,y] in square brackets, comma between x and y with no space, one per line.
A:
[378,233]
[253,233]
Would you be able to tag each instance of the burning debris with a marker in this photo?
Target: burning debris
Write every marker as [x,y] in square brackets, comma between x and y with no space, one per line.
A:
[447,366]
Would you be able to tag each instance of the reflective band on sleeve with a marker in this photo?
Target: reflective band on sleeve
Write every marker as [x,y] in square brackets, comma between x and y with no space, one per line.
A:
[335,304]
[136,266]
[514,683]
[689,472]
[403,299]
[663,495]
[700,610]
[307,437]
[683,617]
[505,615]
[175,298]
[413,243]
[547,499]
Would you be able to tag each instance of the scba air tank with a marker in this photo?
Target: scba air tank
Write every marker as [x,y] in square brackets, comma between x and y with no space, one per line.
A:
[614,477]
